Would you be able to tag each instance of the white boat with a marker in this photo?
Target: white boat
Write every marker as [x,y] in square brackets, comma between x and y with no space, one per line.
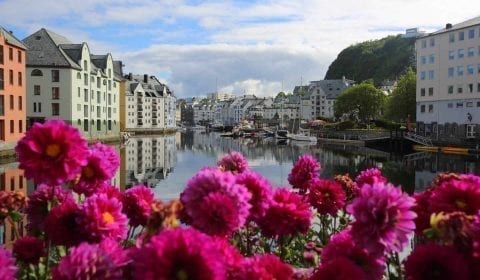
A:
[303,135]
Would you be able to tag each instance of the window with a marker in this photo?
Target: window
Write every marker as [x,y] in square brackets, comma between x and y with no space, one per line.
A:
[19,53]
[422,92]
[39,107]
[78,91]
[109,85]
[430,91]
[461,36]
[432,42]
[1,79]
[12,126]
[36,73]
[85,111]
[109,99]
[34,107]
[20,103]
[99,125]
[79,107]
[36,90]
[459,104]
[450,105]
[451,55]
[422,108]
[470,52]
[55,76]
[478,68]
[451,38]
[55,93]
[10,53]
[423,59]
[85,65]
[55,109]
[424,44]
[2,106]
[11,102]
[431,59]
[471,33]
[85,95]
[478,103]
[85,79]
[460,71]
[20,80]
[430,108]
[460,89]
[98,82]
[99,97]
[470,88]
[85,125]
[10,76]
[422,75]
[469,104]
[470,69]
[450,89]
[20,127]
[431,75]
[461,53]
[478,87]
[1,54]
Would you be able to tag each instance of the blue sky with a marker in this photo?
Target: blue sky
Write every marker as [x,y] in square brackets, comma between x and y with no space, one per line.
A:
[251,47]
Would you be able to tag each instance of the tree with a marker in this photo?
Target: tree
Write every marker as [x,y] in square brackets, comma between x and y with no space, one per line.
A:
[362,103]
[402,101]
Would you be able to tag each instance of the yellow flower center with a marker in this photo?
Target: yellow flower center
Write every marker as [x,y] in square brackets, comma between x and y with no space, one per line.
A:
[460,204]
[87,171]
[182,275]
[53,150]
[108,218]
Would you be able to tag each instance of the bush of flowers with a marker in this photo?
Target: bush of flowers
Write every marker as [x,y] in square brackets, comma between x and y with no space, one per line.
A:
[230,222]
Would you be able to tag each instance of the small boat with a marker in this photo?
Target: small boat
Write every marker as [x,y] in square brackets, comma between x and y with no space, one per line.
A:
[281,134]
[303,135]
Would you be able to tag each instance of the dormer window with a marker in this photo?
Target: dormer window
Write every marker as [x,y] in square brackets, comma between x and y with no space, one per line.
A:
[37,73]
[85,65]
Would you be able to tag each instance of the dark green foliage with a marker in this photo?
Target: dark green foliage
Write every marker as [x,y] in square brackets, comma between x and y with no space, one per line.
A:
[387,124]
[402,101]
[345,125]
[384,59]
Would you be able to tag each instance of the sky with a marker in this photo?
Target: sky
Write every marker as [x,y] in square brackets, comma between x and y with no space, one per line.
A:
[239,47]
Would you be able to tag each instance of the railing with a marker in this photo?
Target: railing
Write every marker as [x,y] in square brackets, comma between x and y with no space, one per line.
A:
[416,156]
[418,139]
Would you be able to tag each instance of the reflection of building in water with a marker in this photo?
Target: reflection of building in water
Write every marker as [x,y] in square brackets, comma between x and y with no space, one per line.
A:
[147,160]
[11,179]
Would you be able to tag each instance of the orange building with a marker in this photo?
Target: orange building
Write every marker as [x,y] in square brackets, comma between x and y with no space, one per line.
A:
[12,89]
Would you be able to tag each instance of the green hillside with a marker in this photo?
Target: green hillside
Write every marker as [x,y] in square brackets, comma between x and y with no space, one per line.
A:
[383,59]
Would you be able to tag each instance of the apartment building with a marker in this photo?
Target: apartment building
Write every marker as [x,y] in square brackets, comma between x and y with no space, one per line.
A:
[67,81]
[12,89]
[323,95]
[448,82]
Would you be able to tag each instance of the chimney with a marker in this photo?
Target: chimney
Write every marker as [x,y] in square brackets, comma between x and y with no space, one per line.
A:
[145,78]
[448,26]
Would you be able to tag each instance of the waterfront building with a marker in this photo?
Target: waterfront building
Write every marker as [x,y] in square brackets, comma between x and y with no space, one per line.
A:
[66,81]
[12,90]
[448,82]
[149,104]
[323,95]
[218,96]
[204,112]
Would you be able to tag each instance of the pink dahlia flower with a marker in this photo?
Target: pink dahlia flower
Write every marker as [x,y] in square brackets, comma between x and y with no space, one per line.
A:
[349,186]
[342,245]
[370,177]
[61,225]
[8,270]
[457,195]
[422,209]
[261,192]
[383,218]
[214,203]
[288,214]
[340,269]
[28,250]
[101,217]
[110,191]
[305,169]
[52,153]
[182,253]
[231,256]
[40,200]
[326,196]
[233,162]
[106,260]
[137,204]
[431,261]
[103,162]
[266,266]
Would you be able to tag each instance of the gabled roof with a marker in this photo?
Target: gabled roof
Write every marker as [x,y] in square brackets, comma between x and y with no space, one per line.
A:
[74,51]
[44,50]
[118,69]
[332,88]
[461,25]
[10,39]
[99,60]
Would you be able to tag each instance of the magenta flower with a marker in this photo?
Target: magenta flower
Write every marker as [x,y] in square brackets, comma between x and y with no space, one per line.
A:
[182,253]
[110,191]
[39,202]
[233,259]
[288,214]
[457,195]
[261,192]
[266,266]
[341,245]
[214,203]
[52,153]
[233,162]
[370,177]
[61,226]
[383,218]
[137,204]
[28,250]
[8,270]
[101,217]
[340,269]
[431,261]
[326,196]
[103,162]
[106,260]
[423,211]
[305,169]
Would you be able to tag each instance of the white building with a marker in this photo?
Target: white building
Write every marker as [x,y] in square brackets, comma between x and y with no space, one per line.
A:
[323,95]
[448,82]
[67,81]
[149,104]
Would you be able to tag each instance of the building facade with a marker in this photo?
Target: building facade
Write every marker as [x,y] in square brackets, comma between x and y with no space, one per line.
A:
[448,82]
[66,81]
[12,89]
